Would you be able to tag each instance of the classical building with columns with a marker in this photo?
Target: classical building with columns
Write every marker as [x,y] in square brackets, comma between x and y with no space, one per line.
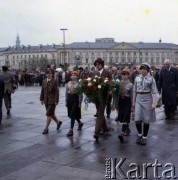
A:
[84,53]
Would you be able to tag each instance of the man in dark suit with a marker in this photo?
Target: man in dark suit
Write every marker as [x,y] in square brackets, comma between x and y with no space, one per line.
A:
[101,121]
[168,83]
[2,88]
[50,97]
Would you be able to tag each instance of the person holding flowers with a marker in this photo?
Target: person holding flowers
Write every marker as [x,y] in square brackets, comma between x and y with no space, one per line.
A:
[105,75]
[73,102]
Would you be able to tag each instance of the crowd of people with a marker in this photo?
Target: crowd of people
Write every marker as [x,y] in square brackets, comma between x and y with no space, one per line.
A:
[137,91]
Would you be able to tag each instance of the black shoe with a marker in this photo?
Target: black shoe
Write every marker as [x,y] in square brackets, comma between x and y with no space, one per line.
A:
[121,138]
[143,141]
[45,131]
[59,124]
[95,115]
[80,126]
[96,136]
[167,117]
[8,112]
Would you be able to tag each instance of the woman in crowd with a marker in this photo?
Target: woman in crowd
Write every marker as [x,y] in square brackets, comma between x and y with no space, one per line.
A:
[50,97]
[144,102]
[73,102]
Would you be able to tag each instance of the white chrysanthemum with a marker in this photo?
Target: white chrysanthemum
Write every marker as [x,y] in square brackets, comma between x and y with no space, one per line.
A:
[99,86]
[94,80]
[106,78]
[89,79]
[79,80]
[117,80]
[105,81]
[96,76]
[89,84]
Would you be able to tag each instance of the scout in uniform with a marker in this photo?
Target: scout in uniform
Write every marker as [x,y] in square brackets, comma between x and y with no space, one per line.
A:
[144,102]
[50,97]
[125,98]
[73,102]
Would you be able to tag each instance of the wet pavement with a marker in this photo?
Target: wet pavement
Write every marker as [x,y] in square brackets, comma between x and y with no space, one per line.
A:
[26,154]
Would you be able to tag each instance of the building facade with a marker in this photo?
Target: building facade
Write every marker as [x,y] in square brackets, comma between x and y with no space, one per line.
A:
[84,53]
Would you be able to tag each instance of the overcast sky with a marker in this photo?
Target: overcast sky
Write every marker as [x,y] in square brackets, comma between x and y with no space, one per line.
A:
[40,21]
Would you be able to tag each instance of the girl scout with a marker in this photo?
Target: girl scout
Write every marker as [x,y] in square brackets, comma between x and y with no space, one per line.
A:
[73,102]
[144,102]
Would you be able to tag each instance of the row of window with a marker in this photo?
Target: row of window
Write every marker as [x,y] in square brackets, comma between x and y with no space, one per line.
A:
[111,60]
[37,56]
[124,53]
[128,60]
[140,60]
[84,58]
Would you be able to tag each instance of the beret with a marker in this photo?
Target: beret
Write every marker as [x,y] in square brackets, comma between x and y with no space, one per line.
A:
[125,70]
[75,73]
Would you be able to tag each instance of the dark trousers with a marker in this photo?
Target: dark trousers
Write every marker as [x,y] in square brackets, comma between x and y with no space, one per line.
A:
[101,121]
[169,111]
[7,100]
[0,110]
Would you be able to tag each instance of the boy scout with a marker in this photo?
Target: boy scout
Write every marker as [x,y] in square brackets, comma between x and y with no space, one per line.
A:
[144,102]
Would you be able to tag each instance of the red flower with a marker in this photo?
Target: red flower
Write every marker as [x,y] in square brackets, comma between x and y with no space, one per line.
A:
[90,87]
[93,87]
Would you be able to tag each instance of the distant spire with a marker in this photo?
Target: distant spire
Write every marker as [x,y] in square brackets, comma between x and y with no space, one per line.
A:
[17,40]
[160,40]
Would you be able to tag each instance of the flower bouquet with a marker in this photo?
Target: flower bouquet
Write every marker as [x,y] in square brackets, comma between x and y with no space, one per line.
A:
[95,87]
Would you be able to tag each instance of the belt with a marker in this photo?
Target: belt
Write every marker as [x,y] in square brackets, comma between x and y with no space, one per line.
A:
[143,92]
[72,94]
[124,97]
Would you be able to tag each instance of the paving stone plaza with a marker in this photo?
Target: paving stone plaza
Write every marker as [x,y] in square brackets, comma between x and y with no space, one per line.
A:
[27,154]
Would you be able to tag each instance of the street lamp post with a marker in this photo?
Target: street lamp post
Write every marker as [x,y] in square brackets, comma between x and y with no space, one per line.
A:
[64,29]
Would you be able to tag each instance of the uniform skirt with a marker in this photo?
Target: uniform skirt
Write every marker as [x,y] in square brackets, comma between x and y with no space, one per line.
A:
[143,110]
[74,111]
[50,109]
[124,109]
